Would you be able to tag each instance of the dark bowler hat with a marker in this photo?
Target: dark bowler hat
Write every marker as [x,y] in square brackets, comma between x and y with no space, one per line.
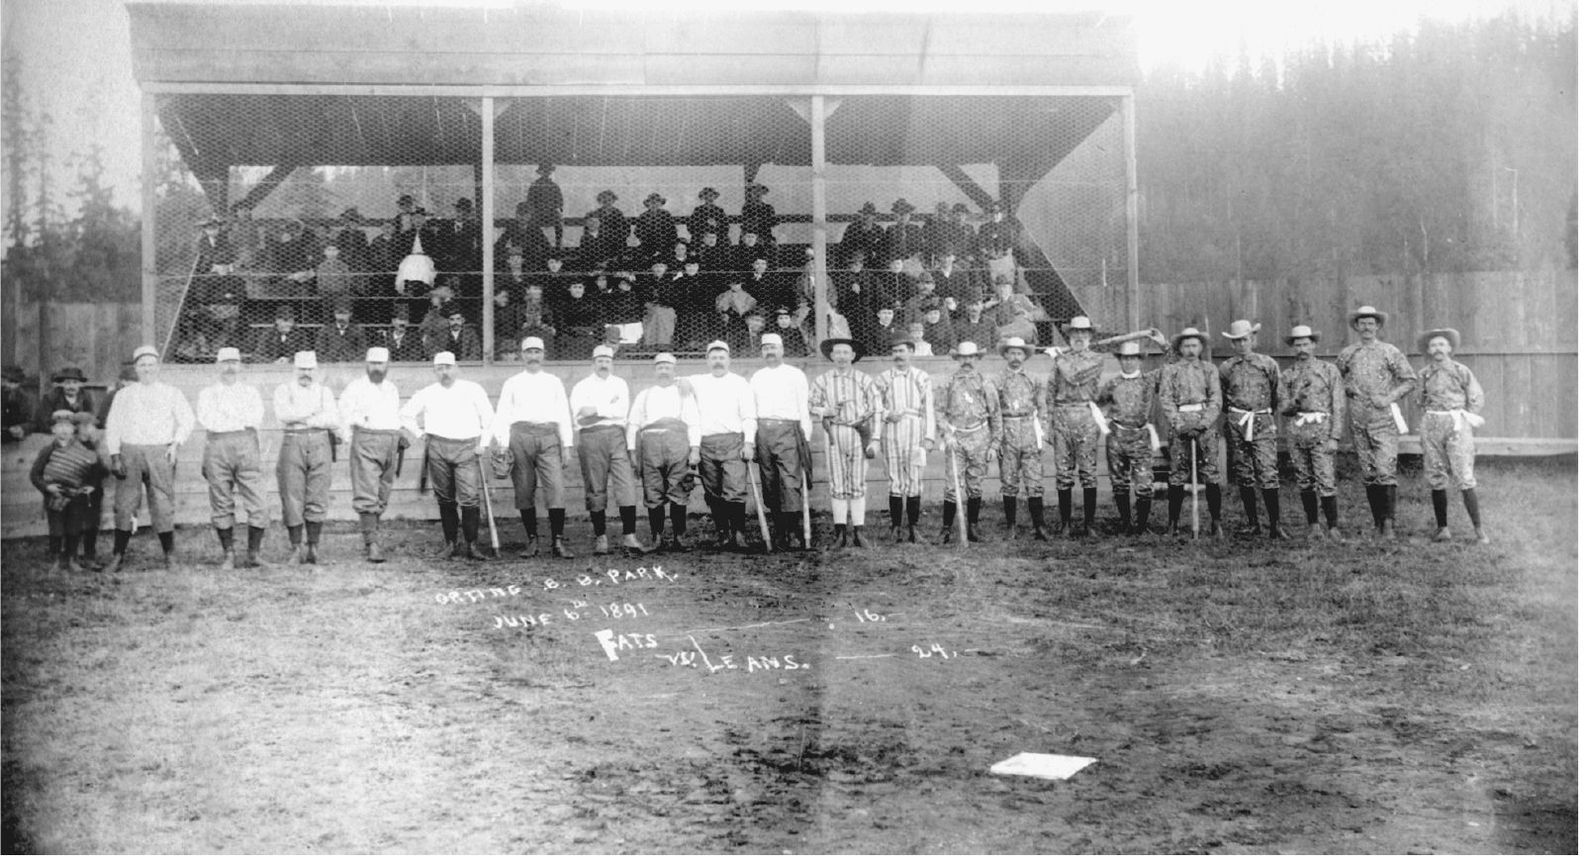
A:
[448,310]
[70,373]
[545,168]
[606,196]
[899,336]
[902,206]
[757,189]
[827,346]
[656,197]
[709,194]
[868,207]
[13,374]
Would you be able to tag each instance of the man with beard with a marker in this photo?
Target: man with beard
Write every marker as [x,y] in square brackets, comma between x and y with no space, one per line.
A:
[341,341]
[1450,397]
[1072,401]
[600,403]
[1376,375]
[1251,399]
[1024,418]
[783,429]
[846,401]
[231,413]
[1191,399]
[371,414]
[454,417]
[664,441]
[1312,394]
[148,422]
[968,411]
[533,424]
[307,411]
[909,431]
[727,442]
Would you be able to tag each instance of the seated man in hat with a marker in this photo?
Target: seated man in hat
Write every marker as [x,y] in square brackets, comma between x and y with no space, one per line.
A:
[770,289]
[664,441]
[996,242]
[707,216]
[507,318]
[793,341]
[402,343]
[290,257]
[435,321]
[903,238]
[459,338]
[280,343]
[341,341]
[656,229]
[525,236]
[879,333]
[352,245]
[537,320]
[975,325]
[1450,397]
[66,472]
[864,235]
[751,247]
[1312,395]
[745,340]
[215,284]
[543,201]
[972,424]
[757,217]
[333,278]
[68,394]
[614,228]
[579,324]
[1014,314]
[625,310]
[937,330]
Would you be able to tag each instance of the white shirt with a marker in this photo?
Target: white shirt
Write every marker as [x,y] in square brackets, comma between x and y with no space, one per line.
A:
[608,396]
[313,406]
[461,411]
[782,393]
[659,402]
[147,414]
[533,397]
[224,408]
[726,404]
[367,405]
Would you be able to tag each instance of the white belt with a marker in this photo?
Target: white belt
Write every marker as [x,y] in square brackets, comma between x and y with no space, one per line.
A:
[1249,420]
[1311,417]
[1191,406]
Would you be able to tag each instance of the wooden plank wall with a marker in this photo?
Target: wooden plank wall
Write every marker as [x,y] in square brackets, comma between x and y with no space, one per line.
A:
[93,336]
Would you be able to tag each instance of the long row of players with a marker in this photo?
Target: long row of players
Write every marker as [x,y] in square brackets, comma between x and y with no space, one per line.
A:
[714,425]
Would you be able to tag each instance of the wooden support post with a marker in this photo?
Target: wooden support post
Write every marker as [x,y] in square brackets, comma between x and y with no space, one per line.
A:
[1132,216]
[151,279]
[818,120]
[487,214]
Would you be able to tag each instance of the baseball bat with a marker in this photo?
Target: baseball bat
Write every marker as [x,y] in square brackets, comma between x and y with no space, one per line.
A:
[490,512]
[959,498]
[760,510]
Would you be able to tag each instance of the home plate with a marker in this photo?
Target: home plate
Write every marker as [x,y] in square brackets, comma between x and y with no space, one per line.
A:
[1054,767]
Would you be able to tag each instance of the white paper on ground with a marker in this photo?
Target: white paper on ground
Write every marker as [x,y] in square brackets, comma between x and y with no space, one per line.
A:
[1057,767]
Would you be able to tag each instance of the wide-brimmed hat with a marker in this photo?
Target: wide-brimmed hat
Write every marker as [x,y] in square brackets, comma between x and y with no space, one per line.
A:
[70,373]
[1242,329]
[1186,334]
[13,373]
[709,194]
[1301,331]
[606,196]
[352,213]
[1452,335]
[757,189]
[898,336]
[902,206]
[1015,342]
[545,168]
[828,344]
[966,349]
[868,207]
[656,197]
[1365,311]
[1129,348]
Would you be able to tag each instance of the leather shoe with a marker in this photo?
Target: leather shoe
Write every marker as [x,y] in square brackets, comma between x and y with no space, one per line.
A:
[1039,533]
[1442,535]
[559,549]
[309,554]
[858,539]
[373,553]
[472,552]
[117,562]
[531,549]
[602,546]
[229,561]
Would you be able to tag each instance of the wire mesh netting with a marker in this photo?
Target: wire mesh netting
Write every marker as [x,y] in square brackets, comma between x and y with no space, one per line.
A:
[652,223]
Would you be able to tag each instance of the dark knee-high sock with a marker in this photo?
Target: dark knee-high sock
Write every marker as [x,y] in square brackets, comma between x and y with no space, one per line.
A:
[471,524]
[895,510]
[1064,507]
[950,510]
[912,509]
[225,536]
[1011,509]
[1034,508]
[628,515]
[313,531]
[123,537]
[598,523]
[449,522]
[559,518]
[531,526]
[1441,506]
[973,510]
[1470,499]
[1331,510]
[736,513]
[658,520]
[680,515]
[167,542]
[1215,499]
[1249,504]
[56,542]
[1271,504]
[1176,496]
[1309,506]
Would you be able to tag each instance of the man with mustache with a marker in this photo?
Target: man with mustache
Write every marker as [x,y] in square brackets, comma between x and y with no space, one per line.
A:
[968,411]
[1450,397]
[370,409]
[909,430]
[1312,395]
[231,413]
[454,417]
[308,414]
[1376,375]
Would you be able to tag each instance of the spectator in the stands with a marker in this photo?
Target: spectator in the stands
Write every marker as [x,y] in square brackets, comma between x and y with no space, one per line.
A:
[435,321]
[769,289]
[961,234]
[757,217]
[707,216]
[866,236]
[353,244]
[508,317]
[579,325]
[290,257]
[937,329]
[284,340]
[878,331]
[744,336]
[954,284]
[677,256]
[512,277]
[333,278]
[903,238]
[793,341]
[655,228]
[753,246]
[914,307]
[401,341]
[544,202]
[382,257]
[975,326]
[732,305]
[661,306]
[614,236]
[464,245]
[626,310]
[1015,314]
[892,287]
[341,341]
[459,336]
[537,319]
[996,240]
[17,406]
[716,260]
[527,237]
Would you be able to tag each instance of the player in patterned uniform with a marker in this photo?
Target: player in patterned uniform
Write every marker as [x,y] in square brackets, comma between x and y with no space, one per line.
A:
[1312,394]
[1072,405]
[1376,375]
[1450,397]
[1127,401]
[1020,400]
[967,408]
[845,399]
[1190,396]
[231,414]
[308,414]
[909,431]
[1250,383]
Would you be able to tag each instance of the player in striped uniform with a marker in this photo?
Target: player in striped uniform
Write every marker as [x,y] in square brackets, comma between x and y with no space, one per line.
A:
[846,401]
[909,431]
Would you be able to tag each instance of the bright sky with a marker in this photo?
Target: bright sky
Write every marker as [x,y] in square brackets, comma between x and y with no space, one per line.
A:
[77,58]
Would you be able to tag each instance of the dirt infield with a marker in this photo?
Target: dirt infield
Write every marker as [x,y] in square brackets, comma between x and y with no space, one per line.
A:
[1242,696]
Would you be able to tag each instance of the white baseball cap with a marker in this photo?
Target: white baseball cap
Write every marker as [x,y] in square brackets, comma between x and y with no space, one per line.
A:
[142,350]
[445,358]
[228,353]
[771,339]
[305,360]
[716,344]
[377,354]
[665,357]
[602,350]
[532,342]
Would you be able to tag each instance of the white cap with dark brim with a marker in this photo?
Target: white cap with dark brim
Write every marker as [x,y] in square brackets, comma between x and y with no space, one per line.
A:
[228,353]
[377,354]
[445,358]
[143,350]
[532,342]
[305,360]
